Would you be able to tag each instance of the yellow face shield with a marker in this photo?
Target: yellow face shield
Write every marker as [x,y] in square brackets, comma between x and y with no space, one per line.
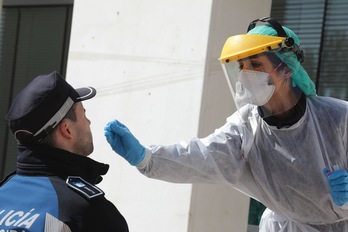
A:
[256,76]
[241,46]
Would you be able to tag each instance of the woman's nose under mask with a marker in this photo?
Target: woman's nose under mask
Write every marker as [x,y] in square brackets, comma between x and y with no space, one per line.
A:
[253,87]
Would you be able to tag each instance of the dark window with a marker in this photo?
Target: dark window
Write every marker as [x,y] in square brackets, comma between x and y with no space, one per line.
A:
[323,31]
[33,40]
[322,28]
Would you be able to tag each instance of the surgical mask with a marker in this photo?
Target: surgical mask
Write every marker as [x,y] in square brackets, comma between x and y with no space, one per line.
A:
[253,87]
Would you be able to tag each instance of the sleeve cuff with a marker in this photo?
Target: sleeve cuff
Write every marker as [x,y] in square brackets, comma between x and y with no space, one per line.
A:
[145,161]
[344,206]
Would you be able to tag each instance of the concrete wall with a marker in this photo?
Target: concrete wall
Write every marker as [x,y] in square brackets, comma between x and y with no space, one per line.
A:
[154,64]
[221,208]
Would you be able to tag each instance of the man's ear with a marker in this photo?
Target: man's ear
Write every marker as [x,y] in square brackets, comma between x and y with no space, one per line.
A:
[65,129]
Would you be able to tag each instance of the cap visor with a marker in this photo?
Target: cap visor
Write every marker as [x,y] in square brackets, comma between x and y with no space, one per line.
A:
[85,93]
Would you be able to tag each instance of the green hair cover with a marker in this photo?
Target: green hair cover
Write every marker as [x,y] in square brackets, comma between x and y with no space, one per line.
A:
[300,77]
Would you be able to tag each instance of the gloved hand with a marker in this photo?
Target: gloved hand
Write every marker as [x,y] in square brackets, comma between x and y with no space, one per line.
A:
[338,184]
[124,143]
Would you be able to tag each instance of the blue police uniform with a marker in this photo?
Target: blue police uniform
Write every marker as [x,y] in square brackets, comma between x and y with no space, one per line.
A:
[54,190]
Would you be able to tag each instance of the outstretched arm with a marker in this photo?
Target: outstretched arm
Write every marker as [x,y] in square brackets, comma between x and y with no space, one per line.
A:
[123,142]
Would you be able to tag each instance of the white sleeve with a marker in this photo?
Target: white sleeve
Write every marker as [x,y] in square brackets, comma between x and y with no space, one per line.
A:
[215,159]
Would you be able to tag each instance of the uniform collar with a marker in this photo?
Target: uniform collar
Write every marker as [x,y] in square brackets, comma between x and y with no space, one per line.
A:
[46,160]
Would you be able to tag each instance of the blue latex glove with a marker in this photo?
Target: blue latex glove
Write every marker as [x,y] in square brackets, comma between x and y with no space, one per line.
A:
[124,143]
[338,184]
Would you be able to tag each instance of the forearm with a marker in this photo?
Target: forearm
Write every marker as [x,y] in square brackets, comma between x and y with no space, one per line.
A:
[190,163]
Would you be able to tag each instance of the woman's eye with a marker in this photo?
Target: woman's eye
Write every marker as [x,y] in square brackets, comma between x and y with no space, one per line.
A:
[257,66]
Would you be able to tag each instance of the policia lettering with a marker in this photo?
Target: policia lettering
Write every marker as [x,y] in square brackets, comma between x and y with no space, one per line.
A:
[18,218]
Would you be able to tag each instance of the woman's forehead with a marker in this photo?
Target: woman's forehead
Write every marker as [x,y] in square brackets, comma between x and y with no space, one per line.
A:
[260,58]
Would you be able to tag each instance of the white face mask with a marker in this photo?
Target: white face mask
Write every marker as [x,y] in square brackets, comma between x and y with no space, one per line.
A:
[253,87]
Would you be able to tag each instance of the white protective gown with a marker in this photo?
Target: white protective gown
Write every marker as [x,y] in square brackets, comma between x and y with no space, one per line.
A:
[282,168]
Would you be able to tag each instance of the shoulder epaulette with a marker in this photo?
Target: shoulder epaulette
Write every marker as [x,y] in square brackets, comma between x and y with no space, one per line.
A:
[83,187]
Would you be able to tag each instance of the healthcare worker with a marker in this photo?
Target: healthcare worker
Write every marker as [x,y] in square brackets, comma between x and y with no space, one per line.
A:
[285,146]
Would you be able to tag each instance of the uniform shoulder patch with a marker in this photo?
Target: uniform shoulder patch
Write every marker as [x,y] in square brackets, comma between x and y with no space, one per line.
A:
[83,187]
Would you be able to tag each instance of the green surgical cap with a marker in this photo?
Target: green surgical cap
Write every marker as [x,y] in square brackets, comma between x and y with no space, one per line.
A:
[300,77]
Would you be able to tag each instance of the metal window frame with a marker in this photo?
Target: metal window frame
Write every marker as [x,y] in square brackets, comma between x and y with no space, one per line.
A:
[36,2]
[33,3]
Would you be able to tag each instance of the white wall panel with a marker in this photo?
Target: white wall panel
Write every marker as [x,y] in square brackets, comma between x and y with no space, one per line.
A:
[152,63]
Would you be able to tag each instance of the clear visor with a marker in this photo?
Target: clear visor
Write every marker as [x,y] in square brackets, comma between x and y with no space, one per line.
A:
[262,80]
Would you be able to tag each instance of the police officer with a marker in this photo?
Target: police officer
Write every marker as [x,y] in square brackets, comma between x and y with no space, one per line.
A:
[53,188]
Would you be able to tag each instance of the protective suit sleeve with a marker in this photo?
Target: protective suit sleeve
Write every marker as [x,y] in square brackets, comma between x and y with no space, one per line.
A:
[145,161]
[215,159]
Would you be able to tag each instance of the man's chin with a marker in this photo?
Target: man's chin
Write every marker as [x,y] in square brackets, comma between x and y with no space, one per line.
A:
[92,149]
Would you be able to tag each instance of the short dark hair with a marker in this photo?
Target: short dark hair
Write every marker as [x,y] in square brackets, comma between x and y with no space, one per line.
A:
[71,115]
